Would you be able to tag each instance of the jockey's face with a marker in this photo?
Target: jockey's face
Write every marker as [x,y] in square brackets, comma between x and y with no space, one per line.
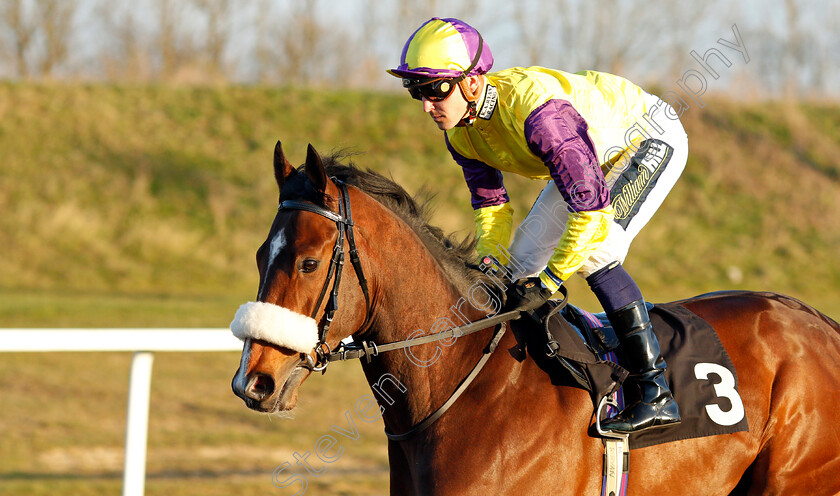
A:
[449,112]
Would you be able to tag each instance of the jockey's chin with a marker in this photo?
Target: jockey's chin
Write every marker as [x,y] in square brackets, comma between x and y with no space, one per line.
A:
[447,113]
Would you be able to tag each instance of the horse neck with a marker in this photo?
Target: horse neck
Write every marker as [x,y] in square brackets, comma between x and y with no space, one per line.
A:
[414,297]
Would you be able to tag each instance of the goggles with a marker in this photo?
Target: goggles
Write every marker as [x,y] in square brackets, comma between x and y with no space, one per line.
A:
[438,89]
[434,90]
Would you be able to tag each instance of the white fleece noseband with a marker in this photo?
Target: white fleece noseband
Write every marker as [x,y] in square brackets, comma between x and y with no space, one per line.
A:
[275,324]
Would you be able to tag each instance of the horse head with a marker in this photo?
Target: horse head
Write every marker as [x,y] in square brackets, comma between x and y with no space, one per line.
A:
[300,262]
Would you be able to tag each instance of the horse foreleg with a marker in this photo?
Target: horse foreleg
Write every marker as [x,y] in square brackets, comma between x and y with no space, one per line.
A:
[401,480]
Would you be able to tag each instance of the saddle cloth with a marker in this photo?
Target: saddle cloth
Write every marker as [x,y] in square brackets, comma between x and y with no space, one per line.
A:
[699,371]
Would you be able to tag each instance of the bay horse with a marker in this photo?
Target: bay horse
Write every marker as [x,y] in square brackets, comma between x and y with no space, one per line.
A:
[511,431]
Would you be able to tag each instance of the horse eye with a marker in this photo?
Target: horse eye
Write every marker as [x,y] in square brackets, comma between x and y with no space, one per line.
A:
[309,265]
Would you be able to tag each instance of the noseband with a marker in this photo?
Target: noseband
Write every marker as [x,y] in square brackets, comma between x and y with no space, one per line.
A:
[344,223]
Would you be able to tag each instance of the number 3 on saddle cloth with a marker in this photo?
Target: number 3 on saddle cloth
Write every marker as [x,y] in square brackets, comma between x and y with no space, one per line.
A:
[575,343]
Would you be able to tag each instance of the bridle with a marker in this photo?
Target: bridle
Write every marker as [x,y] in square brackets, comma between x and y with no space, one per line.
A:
[344,223]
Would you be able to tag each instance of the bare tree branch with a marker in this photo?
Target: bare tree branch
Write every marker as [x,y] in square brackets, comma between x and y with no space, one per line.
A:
[172,45]
[123,57]
[537,33]
[217,34]
[56,20]
[23,28]
[263,50]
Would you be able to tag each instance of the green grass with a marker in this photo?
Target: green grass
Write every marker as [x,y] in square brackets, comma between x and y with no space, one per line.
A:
[46,308]
[143,206]
[64,430]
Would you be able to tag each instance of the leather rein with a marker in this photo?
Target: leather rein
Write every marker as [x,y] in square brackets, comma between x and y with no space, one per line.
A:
[369,349]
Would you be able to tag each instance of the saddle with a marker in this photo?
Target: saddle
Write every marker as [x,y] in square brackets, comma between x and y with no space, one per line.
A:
[564,339]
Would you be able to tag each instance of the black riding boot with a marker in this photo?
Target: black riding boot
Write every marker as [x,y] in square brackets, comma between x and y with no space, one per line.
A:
[657,406]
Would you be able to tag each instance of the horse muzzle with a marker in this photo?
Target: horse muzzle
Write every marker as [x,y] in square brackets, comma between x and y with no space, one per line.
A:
[261,392]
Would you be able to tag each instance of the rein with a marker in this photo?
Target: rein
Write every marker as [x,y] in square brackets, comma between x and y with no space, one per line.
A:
[369,349]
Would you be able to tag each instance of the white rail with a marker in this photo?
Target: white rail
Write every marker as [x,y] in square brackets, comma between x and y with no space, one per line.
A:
[142,342]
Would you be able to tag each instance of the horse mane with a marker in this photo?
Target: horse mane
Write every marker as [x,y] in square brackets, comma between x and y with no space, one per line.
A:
[454,255]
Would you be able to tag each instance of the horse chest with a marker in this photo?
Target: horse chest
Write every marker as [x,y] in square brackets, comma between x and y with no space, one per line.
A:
[533,447]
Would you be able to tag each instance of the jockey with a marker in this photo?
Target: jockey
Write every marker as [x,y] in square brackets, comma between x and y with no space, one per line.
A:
[588,134]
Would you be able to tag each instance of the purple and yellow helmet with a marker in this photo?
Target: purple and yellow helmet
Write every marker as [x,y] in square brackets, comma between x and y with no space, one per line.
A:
[444,48]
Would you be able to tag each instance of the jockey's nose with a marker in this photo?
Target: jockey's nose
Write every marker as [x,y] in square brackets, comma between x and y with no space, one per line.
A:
[427,105]
[260,386]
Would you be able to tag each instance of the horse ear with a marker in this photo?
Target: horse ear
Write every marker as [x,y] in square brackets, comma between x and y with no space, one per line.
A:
[282,168]
[315,170]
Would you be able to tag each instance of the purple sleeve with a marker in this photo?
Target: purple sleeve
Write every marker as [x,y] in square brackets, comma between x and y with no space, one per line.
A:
[558,134]
[485,182]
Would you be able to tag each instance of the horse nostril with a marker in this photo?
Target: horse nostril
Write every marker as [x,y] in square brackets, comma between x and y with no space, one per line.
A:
[260,386]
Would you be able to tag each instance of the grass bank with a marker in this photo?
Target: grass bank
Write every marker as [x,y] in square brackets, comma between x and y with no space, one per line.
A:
[167,191]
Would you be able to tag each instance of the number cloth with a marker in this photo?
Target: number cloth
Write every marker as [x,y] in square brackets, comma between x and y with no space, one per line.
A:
[700,372]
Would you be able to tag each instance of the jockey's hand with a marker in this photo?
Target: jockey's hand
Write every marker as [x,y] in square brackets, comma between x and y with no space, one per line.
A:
[526,295]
